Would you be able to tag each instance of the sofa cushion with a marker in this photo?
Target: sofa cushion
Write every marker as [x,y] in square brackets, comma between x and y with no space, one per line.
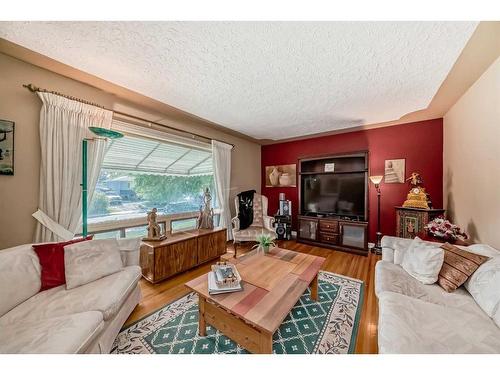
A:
[105,295]
[409,325]
[390,277]
[19,276]
[484,286]
[90,260]
[64,334]
[423,260]
[458,266]
[51,258]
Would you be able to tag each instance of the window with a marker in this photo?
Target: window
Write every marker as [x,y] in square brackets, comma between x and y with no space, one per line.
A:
[139,173]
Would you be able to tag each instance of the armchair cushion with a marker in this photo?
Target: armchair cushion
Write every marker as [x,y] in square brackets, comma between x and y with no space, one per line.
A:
[257,211]
[251,233]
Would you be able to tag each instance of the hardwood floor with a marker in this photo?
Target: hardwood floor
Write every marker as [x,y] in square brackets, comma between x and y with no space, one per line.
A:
[359,267]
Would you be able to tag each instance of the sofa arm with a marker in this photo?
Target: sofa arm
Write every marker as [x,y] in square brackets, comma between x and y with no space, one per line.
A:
[268,222]
[236,223]
[129,251]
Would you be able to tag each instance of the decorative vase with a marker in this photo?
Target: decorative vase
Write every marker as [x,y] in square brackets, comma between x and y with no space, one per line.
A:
[285,179]
[274,176]
[262,250]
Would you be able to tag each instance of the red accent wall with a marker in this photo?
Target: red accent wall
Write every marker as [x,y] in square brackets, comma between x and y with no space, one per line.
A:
[420,143]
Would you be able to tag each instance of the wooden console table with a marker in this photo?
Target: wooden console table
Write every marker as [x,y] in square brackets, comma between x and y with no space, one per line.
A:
[410,222]
[180,251]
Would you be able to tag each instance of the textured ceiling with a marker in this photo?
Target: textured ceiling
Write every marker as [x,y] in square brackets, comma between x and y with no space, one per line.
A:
[269,80]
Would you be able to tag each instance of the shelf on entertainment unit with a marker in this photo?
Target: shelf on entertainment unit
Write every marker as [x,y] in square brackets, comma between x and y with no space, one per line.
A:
[341,172]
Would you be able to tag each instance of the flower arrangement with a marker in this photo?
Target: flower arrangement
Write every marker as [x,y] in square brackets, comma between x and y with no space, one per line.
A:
[264,242]
[442,228]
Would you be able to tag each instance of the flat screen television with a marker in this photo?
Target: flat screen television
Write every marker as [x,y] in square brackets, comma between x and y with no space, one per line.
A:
[334,194]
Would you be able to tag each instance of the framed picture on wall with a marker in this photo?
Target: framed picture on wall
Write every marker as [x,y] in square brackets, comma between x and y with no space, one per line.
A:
[6,147]
[281,175]
[394,172]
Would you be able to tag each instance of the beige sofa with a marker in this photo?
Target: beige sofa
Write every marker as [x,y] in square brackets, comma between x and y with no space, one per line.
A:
[418,318]
[85,319]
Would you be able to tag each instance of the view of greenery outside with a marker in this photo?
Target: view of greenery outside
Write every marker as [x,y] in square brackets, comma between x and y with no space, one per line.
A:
[99,204]
[123,195]
[167,189]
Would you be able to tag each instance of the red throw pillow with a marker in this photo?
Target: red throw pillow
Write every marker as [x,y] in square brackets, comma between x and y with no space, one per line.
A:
[51,257]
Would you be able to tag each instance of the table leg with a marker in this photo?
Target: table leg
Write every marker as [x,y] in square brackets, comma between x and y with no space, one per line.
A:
[314,288]
[202,324]
[266,343]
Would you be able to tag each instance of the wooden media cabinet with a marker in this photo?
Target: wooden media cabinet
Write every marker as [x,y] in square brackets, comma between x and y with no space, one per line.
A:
[180,252]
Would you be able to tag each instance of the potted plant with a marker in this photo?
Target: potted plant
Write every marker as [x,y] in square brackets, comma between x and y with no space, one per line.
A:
[264,243]
[445,230]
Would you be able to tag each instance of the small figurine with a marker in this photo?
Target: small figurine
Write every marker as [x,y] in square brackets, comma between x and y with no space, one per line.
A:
[206,216]
[154,230]
[415,179]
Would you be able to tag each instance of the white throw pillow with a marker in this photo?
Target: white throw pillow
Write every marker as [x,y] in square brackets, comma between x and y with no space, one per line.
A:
[423,261]
[484,286]
[88,261]
[129,250]
[482,249]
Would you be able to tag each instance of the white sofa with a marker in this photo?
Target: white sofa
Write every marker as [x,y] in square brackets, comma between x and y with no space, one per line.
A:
[85,319]
[418,318]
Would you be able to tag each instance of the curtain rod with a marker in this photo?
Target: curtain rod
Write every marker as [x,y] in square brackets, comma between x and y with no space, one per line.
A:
[34,89]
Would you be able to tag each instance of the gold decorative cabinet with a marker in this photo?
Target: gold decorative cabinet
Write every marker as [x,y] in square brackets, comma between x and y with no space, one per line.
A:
[410,222]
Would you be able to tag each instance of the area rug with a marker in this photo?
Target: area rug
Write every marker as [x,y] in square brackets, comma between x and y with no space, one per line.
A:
[328,326]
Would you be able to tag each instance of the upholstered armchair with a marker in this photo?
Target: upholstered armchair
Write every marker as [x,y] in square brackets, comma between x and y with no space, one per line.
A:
[262,224]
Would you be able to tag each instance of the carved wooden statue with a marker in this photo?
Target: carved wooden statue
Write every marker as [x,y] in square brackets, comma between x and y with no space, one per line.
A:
[154,230]
[206,216]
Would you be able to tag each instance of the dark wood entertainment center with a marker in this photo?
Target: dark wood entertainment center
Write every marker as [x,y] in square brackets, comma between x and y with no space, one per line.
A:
[346,232]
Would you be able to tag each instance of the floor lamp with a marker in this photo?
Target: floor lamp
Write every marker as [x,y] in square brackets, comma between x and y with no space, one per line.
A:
[376,180]
[102,134]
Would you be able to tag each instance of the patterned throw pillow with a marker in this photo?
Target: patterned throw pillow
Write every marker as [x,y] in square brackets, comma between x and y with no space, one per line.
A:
[258,221]
[458,266]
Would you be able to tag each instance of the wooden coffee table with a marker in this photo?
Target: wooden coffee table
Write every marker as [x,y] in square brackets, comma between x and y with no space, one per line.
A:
[272,285]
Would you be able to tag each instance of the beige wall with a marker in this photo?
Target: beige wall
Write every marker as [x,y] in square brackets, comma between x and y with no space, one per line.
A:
[19,193]
[472,159]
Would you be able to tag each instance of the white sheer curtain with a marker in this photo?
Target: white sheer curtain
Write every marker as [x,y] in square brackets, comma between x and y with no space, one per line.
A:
[64,124]
[221,153]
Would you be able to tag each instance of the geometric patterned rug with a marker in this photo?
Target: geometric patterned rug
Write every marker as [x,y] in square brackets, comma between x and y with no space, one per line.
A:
[328,326]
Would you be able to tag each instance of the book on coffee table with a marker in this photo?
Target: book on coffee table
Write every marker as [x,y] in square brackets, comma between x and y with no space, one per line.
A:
[213,288]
